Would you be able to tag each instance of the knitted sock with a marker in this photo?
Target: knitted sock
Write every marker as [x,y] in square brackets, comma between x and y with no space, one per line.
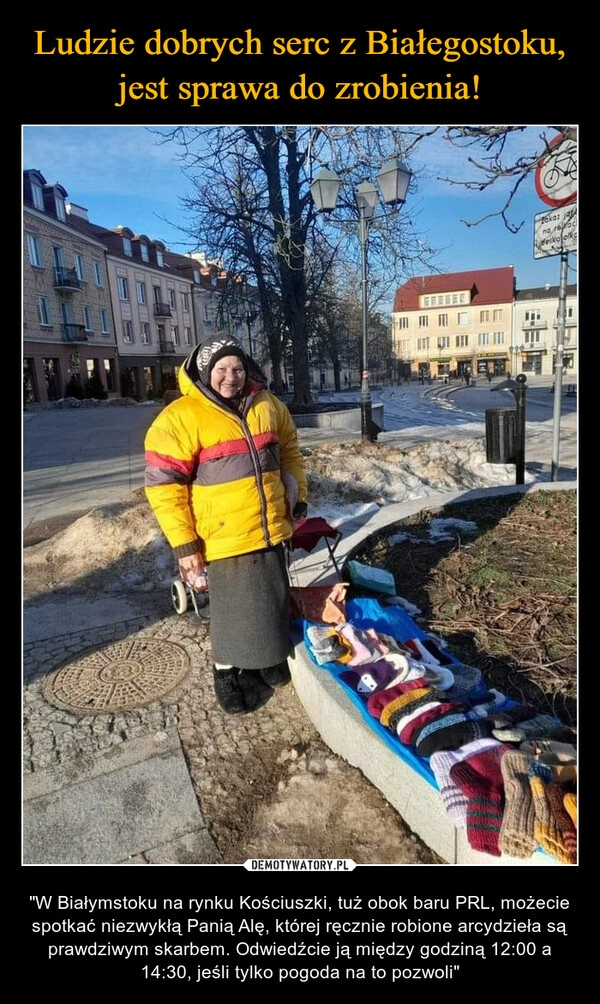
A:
[480,779]
[453,736]
[455,801]
[517,836]
[555,795]
[570,804]
[545,829]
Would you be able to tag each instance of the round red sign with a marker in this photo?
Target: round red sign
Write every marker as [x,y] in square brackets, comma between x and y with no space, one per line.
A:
[556,173]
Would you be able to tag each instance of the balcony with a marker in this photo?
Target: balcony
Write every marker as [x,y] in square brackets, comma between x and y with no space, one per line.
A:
[166,347]
[74,333]
[537,325]
[162,310]
[66,279]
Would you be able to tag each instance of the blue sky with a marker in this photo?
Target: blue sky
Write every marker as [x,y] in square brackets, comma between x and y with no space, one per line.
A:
[124,175]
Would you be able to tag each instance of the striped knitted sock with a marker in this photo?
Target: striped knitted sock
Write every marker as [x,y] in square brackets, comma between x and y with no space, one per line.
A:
[455,801]
[480,779]
[517,836]
[545,828]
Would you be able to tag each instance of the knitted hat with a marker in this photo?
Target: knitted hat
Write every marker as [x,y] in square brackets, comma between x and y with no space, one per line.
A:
[466,679]
[210,352]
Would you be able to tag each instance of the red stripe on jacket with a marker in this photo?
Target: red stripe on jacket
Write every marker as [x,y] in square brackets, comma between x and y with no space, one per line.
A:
[163,460]
[235,446]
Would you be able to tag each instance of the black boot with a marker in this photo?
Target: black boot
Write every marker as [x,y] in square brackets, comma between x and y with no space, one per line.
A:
[231,696]
[276,676]
[255,690]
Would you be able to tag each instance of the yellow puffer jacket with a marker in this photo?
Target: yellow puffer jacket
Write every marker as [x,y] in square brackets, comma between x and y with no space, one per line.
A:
[214,476]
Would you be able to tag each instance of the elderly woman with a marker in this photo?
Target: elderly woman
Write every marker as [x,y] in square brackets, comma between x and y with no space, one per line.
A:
[226,481]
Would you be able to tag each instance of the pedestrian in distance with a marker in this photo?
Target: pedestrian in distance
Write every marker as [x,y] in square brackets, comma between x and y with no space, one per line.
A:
[227,483]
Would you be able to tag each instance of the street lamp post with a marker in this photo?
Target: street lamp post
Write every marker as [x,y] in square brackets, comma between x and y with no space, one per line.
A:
[394,179]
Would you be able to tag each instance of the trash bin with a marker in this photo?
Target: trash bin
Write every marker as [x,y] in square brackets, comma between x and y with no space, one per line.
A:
[500,436]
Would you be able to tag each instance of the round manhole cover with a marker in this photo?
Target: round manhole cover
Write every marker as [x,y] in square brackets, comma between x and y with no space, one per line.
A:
[118,677]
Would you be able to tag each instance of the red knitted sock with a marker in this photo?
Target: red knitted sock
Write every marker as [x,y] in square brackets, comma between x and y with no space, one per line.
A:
[480,780]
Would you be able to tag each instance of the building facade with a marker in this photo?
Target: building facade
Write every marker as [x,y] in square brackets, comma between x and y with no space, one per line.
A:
[479,323]
[114,307]
[456,324]
[536,330]
[68,328]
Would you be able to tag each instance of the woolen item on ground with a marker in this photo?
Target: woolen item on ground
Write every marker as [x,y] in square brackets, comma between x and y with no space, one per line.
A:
[517,833]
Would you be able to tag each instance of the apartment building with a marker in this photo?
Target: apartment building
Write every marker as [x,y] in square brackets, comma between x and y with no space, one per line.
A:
[536,329]
[152,306]
[68,330]
[446,325]
[479,321]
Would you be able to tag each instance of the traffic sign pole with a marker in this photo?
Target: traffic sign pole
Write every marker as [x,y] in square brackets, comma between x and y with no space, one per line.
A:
[558,365]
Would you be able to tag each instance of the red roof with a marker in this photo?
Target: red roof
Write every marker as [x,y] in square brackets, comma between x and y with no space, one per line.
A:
[487,285]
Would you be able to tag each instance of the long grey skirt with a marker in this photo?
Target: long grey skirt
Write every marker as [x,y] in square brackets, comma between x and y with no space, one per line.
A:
[249,609]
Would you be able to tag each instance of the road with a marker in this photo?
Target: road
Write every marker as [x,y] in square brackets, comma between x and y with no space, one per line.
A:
[78,458]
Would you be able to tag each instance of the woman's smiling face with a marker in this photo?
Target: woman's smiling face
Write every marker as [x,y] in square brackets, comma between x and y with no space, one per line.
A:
[228,376]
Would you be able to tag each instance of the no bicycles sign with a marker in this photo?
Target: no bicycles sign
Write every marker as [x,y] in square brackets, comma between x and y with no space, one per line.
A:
[556,173]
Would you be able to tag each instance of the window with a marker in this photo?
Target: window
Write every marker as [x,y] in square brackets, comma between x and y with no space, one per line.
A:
[423,321]
[97,274]
[498,338]
[444,342]
[462,317]
[140,288]
[104,322]
[79,267]
[35,251]
[87,318]
[462,298]
[127,248]
[455,298]
[403,322]
[483,338]
[37,195]
[160,259]
[144,252]
[443,320]
[532,316]
[59,207]
[532,337]
[422,344]
[187,336]
[44,311]
[145,333]
[461,341]
[127,333]
[484,316]
[498,314]
[172,299]
[196,276]
[122,288]
[186,302]
[175,335]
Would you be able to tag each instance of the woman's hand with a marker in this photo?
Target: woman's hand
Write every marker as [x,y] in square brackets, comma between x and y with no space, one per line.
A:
[193,571]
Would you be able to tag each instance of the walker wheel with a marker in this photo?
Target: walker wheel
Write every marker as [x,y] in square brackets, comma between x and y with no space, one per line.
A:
[179,596]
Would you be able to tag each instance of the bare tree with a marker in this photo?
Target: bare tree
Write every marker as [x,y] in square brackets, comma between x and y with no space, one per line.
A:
[252,210]
[493,159]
